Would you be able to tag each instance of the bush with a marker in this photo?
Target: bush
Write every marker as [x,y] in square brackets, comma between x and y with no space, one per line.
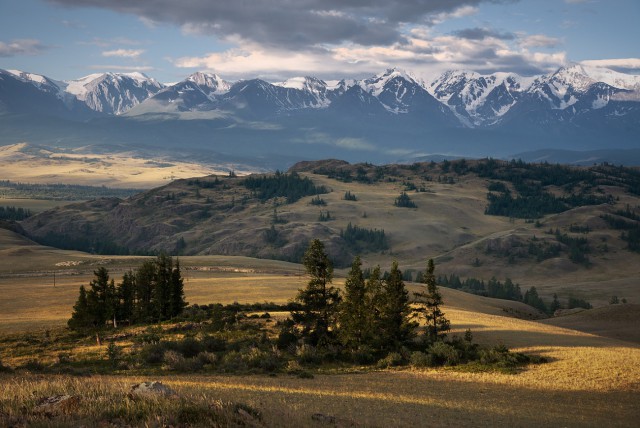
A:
[153,353]
[114,353]
[443,354]
[207,358]
[232,362]
[264,360]
[392,359]
[420,359]
[307,354]
[175,361]
[189,347]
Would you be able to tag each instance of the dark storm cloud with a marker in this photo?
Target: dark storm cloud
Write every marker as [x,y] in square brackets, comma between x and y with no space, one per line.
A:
[482,33]
[289,23]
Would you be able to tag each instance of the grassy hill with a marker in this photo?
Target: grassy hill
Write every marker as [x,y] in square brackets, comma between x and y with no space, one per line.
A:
[550,233]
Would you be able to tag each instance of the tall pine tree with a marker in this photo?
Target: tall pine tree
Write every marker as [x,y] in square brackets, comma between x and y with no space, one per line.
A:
[176,299]
[81,319]
[395,326]
[355,310]
[430,302]
[319,300]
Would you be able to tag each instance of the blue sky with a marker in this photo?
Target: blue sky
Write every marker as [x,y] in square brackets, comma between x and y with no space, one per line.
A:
[277,39]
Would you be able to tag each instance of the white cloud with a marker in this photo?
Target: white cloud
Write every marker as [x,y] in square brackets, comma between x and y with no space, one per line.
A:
[19,47]
[121,67]
[124,53]
[631,65]
[539,41]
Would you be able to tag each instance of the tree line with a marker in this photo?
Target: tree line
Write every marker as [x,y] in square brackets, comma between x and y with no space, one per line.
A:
[153,292]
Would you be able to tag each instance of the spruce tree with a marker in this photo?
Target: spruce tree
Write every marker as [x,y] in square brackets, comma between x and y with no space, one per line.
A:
[126,297]
[162,289]
[319,300]
[81,319]
[176,301]
[101,298]
[430,306]
[355,310]
[395,326]
[145,280]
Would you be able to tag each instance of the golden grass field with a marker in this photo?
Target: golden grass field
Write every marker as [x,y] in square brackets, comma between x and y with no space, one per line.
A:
[22,162]
[589,380]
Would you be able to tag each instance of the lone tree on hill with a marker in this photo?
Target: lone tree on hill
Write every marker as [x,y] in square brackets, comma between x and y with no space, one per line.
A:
[319,300]
[430,302]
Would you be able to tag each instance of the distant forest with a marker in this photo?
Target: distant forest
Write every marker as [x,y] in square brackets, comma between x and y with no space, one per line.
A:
[61,192]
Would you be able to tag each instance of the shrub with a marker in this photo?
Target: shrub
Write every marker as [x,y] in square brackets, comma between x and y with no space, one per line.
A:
[207,358]
[189,347]
[392,359]
[307,354]
[175,361]
[443,354]
[114,353]
[232,361]
[264,360]
[420,359]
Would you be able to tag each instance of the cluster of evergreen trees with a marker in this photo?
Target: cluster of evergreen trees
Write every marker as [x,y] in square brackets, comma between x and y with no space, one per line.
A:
[631,229]
[493,288]
[371,315]
[14,214]
[154,292]
[363,240]
[291,186]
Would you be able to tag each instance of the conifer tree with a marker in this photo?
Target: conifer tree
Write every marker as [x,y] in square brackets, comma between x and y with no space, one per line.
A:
[395,326]
[355,310]
[145,279]
[430,306]
[101,298]
[162,289]
[319,300]
[81,317]
[176,301]
[126,297]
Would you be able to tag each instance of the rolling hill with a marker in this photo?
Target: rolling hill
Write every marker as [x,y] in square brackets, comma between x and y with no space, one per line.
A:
[562,229]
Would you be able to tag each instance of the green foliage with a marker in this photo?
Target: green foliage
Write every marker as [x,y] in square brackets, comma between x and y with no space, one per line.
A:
[155,292]
[531,298]
[364,240]
[291,186]
[493,288]
[318,201]
[404,201]
[429,306]
[319,301]
[63,192]
[355,310]
[14,214]
[348,196]
[114,354]
[325,216]
[392,300]
[575,302]
[529,181]
[272,236]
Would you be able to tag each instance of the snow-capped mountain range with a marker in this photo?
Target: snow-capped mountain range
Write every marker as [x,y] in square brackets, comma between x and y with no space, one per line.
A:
[572,103]
[476,100]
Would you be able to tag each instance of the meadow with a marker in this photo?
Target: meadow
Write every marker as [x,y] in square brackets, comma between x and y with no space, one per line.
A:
[590,380]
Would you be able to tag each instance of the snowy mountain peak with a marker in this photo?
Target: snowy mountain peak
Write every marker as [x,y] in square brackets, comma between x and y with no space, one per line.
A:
[311,84]
[211,82]
[375,85]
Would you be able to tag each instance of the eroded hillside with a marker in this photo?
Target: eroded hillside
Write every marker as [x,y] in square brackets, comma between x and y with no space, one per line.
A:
[542,225]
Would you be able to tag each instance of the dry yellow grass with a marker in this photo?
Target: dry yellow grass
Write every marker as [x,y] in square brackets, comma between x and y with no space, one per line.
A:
[111,169]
